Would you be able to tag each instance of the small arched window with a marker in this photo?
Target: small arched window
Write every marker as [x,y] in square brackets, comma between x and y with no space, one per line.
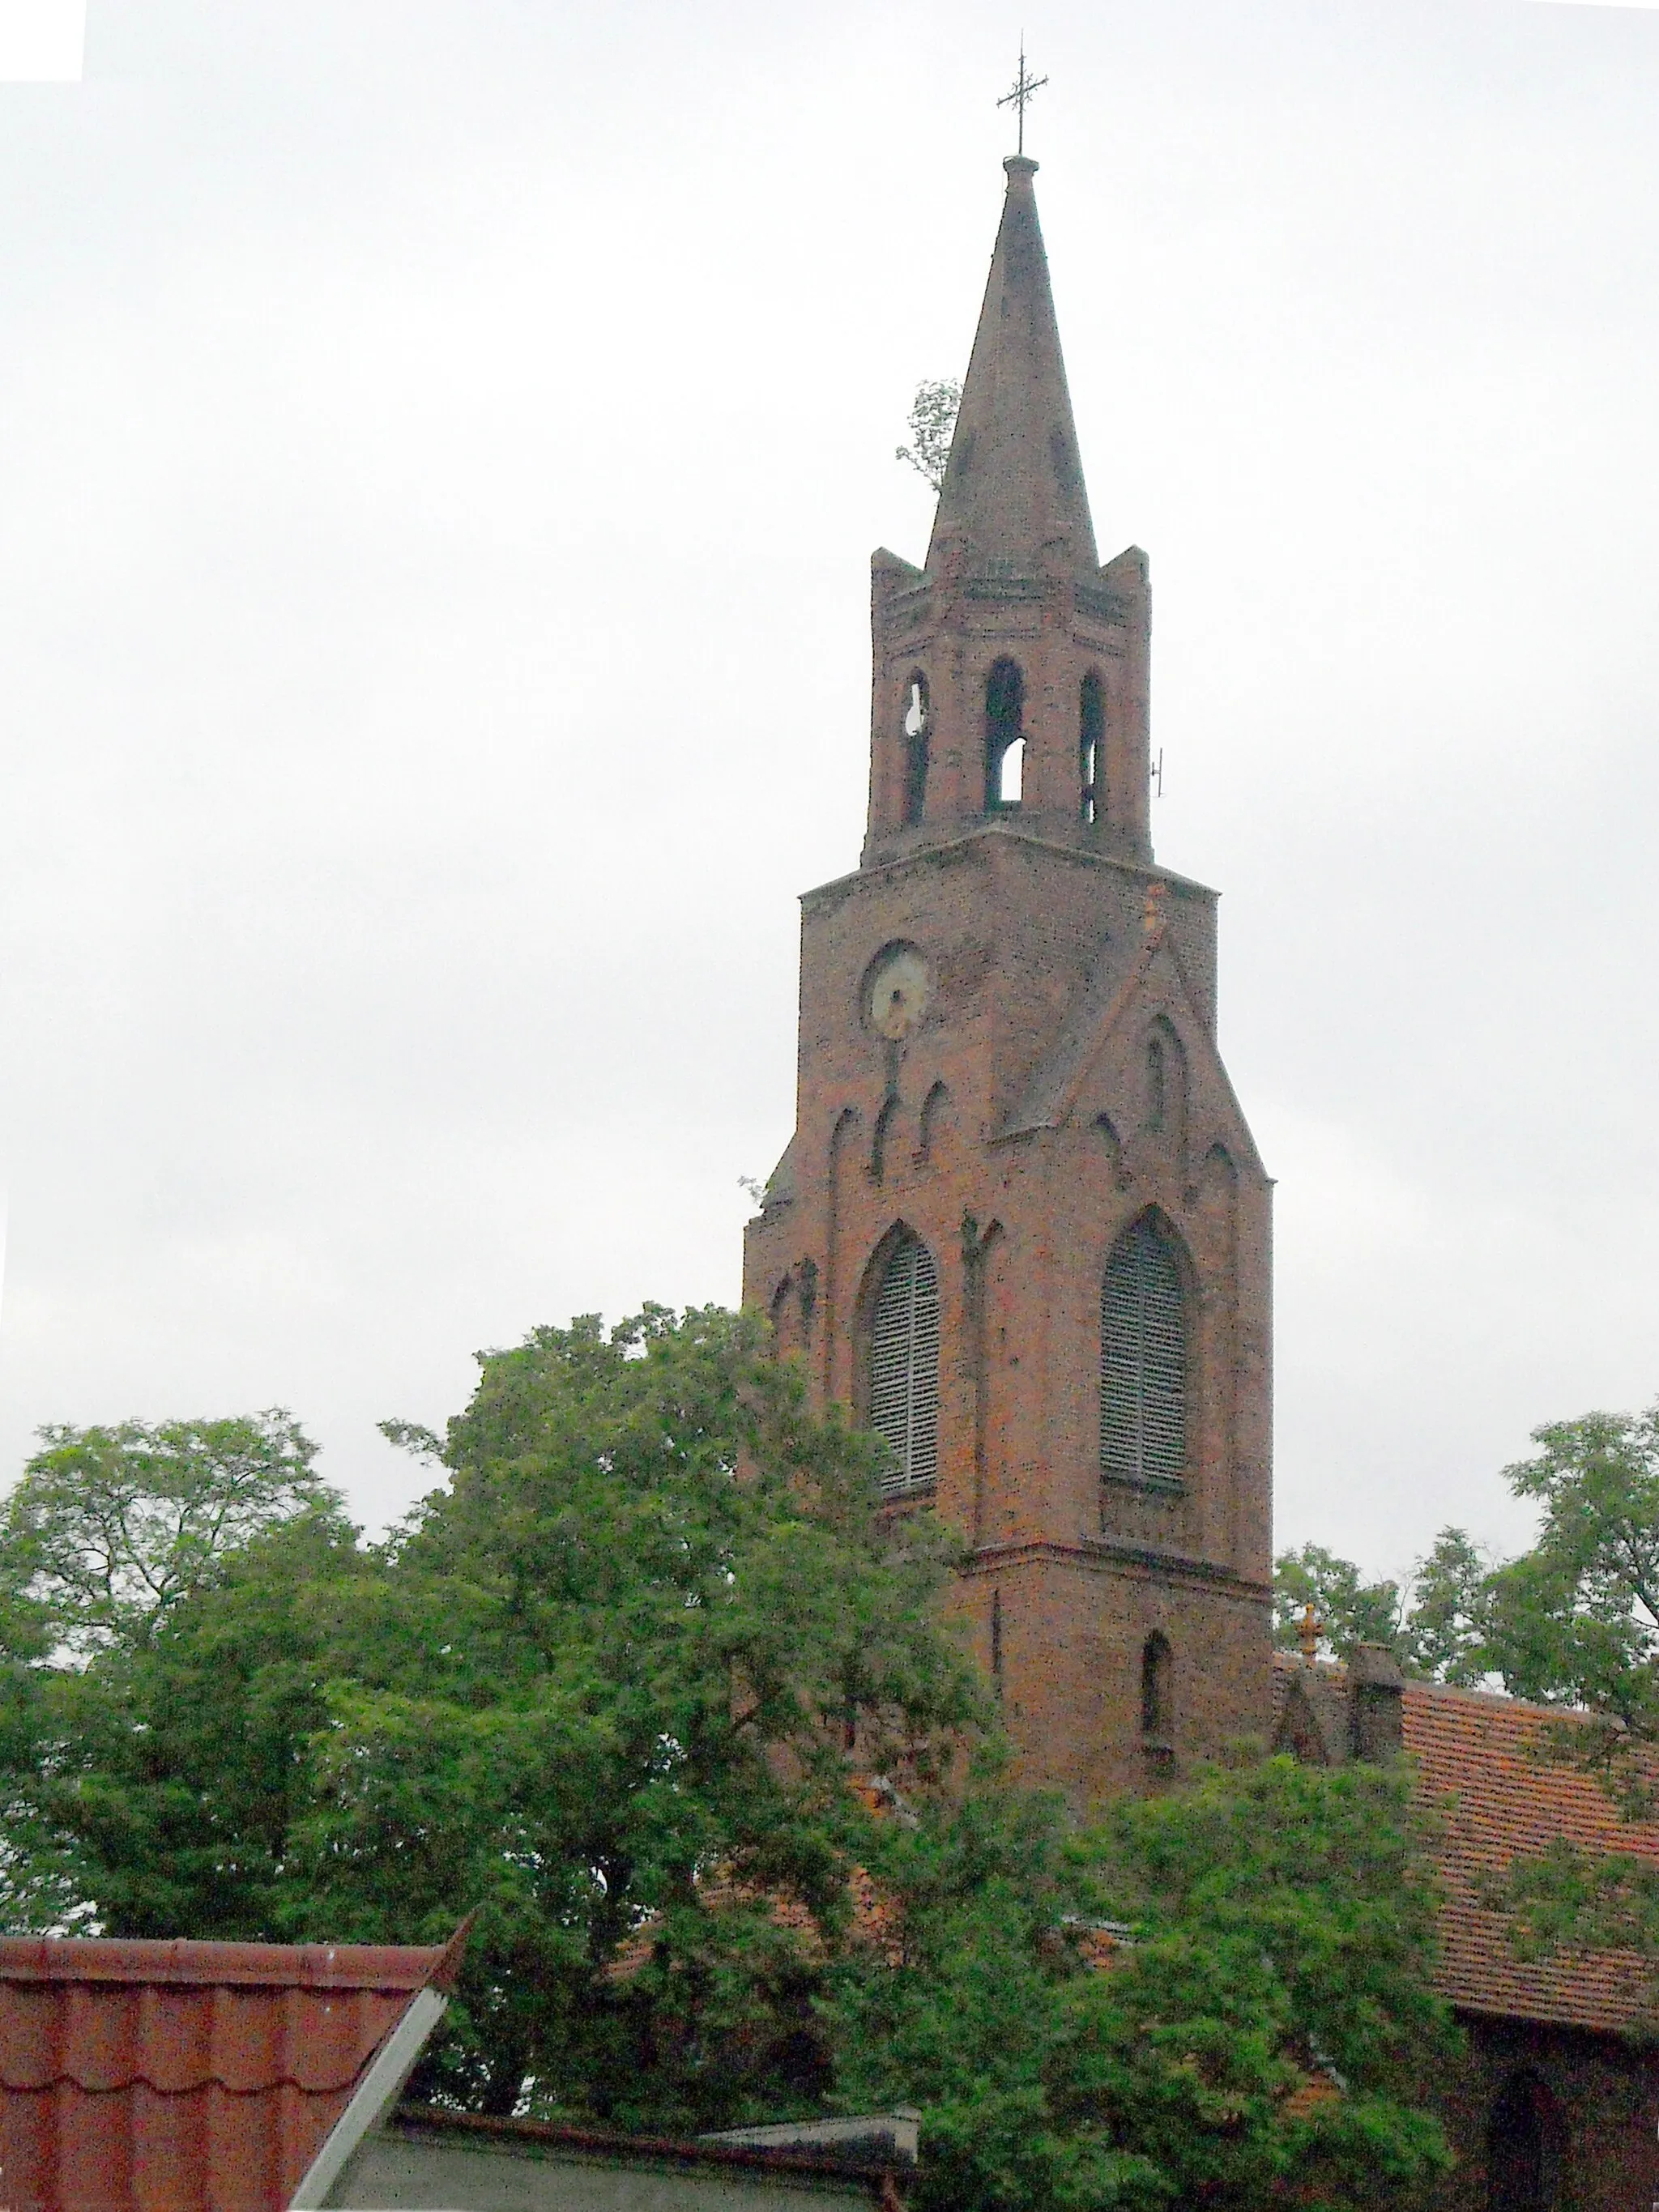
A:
[1155,1715]
[1092,748]
[1004,735]
[1143,1360]
[918,732]
[1522,2149]
[903,1399]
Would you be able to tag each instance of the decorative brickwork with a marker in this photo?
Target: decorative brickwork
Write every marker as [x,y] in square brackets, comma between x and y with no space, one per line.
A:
[1007,1053]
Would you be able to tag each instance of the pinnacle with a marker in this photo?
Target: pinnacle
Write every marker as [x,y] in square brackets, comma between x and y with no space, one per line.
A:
[1014,483]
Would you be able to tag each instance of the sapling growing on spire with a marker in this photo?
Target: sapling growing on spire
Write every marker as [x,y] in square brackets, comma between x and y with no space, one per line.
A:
[933,424]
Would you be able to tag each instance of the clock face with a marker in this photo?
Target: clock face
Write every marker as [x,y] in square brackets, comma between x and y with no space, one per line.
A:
[896,992]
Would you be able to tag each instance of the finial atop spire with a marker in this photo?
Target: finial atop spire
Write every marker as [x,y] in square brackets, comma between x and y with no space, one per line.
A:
[1020,96]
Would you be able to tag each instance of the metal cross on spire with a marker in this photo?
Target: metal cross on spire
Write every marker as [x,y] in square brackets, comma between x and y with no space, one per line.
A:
[1024,86]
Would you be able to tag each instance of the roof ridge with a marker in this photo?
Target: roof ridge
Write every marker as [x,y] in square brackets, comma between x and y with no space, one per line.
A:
[209,1965]
[1424,1686]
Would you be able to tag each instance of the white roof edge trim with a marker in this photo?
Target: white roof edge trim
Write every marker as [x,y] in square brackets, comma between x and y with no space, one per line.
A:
[375,2096]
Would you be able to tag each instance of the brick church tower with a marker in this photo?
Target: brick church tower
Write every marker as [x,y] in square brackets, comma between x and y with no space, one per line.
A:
[1022,1229]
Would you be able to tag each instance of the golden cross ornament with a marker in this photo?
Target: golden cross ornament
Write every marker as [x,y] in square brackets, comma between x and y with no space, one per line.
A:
[1024,86]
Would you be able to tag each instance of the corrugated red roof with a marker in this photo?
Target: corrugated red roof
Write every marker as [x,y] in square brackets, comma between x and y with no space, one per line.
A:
[180,2076]
[1480,1753]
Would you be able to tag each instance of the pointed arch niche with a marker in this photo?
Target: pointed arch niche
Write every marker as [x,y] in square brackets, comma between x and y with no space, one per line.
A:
[1146,1357]
[1164,1105]
[883,1130]
[1112,1145]
[935,1107]
[898,1396]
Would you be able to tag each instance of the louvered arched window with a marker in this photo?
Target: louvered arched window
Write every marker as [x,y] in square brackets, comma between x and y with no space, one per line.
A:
[904,1366]
[1143,1360]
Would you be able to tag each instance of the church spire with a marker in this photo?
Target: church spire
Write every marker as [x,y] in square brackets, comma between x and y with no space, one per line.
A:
[1014,485]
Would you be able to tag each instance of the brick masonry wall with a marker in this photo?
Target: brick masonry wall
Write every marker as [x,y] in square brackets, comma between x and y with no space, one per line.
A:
[1048,968]
[1604,2093]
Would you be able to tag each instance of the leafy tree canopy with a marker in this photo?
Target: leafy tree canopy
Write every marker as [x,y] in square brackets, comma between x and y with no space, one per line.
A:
[1346,1610]
[1266,1934]
[599,1686]
[1575,1620]
[110,1527]
[1439,1626]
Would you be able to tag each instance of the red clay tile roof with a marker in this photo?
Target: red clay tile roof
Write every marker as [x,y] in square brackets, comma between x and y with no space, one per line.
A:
[1476,1765]
[1479,1751]
[184,2077]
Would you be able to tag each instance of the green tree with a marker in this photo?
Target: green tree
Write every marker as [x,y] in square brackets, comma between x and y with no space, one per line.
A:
[932,425]
[109,1528]
[1439,1626]
[1263,1931]
[633,1638]
[108,1534]
[1574,1620]
[1349,1611]
[1446,1632]
[601,1687]
[168,1774]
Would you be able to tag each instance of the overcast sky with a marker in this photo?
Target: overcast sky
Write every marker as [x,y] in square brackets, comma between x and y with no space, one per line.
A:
[441,448]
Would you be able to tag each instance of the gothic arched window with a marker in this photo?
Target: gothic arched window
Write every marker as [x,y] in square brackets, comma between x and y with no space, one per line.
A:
[1005,736]
[1143,1359]
[903,1402]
